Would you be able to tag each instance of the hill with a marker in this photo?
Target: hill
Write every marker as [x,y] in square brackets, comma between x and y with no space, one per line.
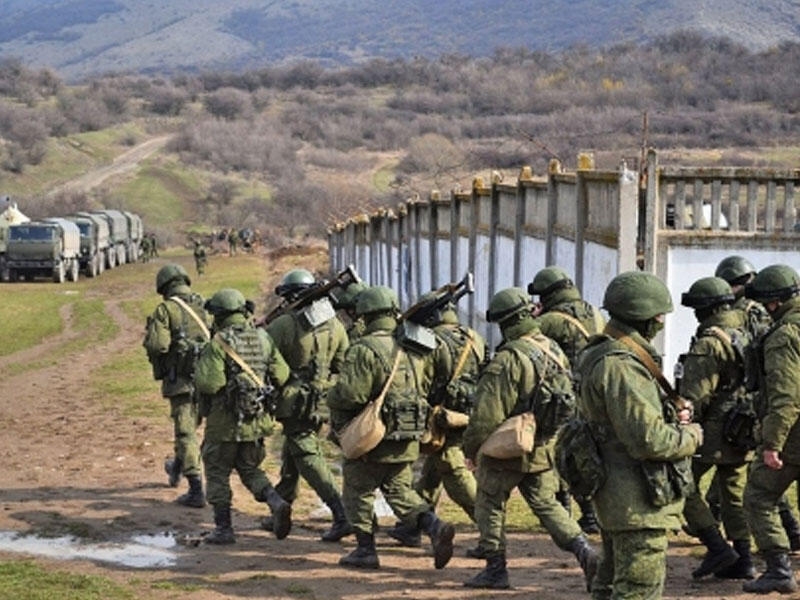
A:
[79,39]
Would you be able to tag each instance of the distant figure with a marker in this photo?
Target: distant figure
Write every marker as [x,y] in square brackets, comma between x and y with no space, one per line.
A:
[200,257]
[144,249]
[233,240]
[153,246]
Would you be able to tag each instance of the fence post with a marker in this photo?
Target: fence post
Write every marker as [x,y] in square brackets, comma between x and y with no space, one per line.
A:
[651,214]
[552,202]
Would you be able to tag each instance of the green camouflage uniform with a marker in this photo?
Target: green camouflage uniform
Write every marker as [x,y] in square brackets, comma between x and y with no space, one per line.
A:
[780,429]
[314,356]
[556,321]
[230,442]
[711,374]
[622,401]
[446,467]
[167,330]
[367,365]
[505,387]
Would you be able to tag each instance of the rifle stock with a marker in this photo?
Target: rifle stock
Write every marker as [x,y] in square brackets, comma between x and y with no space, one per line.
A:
[449,292]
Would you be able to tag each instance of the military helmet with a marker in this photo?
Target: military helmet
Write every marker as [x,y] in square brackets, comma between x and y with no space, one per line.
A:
[507,303]
[225,301]
[548,280]
[346,299]
[426,316]
[733,268]
[776,282]
[708,292]
[377,298]
[169,273]
[637,296]
[294,281]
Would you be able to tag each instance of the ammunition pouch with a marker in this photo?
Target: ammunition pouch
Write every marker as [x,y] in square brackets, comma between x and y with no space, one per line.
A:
[739,426]
[667,482]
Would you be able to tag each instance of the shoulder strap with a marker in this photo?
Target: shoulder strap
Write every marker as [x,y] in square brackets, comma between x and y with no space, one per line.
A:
[542,345]
[720,333]
[188,310]
[385,389]
[462,359]
[238,360]
[568,317]
[645,358]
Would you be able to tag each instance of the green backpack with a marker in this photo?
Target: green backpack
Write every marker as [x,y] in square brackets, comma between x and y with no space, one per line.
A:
[578,458]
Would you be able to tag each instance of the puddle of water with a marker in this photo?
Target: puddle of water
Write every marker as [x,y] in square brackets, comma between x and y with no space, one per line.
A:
[142,552]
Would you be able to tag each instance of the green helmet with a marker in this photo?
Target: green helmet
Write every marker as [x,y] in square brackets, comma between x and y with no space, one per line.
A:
[294,282]
[733,268]
[226,301]
[346,299]
[169,273]
[377,298]
[507,303]
[776,282]
[637,296]
[708,292]
[428,315]
[549,279]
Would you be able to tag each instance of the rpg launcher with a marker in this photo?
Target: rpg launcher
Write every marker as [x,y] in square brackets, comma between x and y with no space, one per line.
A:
[308,300]
[413,331]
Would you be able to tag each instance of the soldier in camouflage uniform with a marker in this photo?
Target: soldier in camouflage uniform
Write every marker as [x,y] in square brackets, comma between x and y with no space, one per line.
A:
[529,372]
[313,342]
[712,376]
[371,361]
[569,320]
[620,398]
[777,463]
[460,355]
[738,272]
[345,301]
[237,412]
[176,331]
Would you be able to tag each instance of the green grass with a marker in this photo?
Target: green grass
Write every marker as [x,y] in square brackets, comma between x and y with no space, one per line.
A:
[30,314]
[24,580]
[135,394]
[383,178]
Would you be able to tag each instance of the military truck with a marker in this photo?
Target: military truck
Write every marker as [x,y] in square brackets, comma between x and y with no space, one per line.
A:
[10,216]
[119,236]
[94,242]
[135,234]
[46,248]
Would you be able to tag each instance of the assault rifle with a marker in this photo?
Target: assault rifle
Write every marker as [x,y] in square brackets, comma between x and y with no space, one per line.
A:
[450,292]
[314,292]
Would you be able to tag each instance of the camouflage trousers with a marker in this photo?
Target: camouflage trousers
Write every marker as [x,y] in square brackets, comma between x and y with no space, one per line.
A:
[362,478]
[221,458]
[447,468]
[539,492]
[633,565]
[730,480]
[762,495]
[302,456]
[185,420]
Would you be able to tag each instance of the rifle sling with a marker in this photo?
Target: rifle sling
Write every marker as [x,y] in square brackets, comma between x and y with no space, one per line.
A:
[645,358]
[188,310]
[239,360]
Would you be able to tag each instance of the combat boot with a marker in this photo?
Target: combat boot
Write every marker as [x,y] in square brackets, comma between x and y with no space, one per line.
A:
[341,526]
[223,530]
[406,535]
[441,534]
[719,556]
[194,498]
[742,568]
[477,552]
[494,576]
[588,520]
[778,577]
[364,556]
[173,468]
[587,558]
[281,511]
[790,525]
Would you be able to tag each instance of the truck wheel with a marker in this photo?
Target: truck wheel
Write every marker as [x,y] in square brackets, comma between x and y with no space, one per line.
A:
[74,268]
[13,275]
[91,267]
[59,273]
[5,272]
[101,263]
[112,257]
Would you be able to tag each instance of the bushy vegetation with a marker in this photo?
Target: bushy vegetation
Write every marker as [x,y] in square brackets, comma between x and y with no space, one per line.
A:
[291,127]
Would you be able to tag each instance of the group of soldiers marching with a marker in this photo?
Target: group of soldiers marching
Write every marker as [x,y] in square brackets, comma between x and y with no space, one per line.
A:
[330,351]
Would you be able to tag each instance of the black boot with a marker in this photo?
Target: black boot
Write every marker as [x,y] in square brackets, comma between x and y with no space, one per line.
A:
[223,532]
[405,534]
[477,552]
[588,520]
[341,526]
[441,534]
[778,577]
[565,500]
[364,556]
[173,468]
[790,525]
[194,498]
[719,556]
[281,512]
[494,576]
[742,568]
[587,558]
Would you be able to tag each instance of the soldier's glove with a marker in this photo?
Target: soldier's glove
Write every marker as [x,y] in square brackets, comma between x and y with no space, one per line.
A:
[695,430]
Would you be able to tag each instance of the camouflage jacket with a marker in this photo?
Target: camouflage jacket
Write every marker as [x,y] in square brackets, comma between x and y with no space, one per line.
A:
[366,368]
[222,424]
[558,322]
[781,359]
[621,399]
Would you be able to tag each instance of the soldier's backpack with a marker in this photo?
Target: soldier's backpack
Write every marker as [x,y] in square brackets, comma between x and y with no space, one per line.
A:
[578,458]
[247,394]
[188,336]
